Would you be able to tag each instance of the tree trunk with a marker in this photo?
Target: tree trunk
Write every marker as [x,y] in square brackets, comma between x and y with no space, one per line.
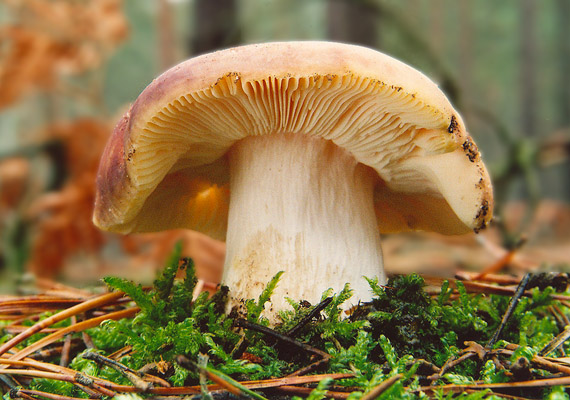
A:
[352,22]
[466,45]
[528,56]
[166,37]
[216,25]
[563,96]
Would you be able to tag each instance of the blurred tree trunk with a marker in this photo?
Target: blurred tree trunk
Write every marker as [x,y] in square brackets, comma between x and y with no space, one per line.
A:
[167,56]
[466,45]
[562,8]
[563,26]
[436,25]
[353,22]
[216,25]
[528,56]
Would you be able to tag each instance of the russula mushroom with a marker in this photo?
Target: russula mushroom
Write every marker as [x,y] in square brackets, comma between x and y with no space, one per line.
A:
[299,154]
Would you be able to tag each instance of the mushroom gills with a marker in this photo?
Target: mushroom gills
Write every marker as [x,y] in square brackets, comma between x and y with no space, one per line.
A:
[304,206]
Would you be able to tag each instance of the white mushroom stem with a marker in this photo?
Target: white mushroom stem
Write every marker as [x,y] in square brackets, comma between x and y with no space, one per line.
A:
[304,206]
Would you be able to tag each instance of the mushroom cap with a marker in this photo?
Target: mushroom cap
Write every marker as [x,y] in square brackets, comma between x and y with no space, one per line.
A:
[165,165]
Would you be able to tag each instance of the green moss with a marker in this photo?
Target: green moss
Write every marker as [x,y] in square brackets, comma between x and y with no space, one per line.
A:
[379,340]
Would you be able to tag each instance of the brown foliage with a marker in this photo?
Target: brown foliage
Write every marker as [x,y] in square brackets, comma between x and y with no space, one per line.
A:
[49,38]
[13,181]
[62,219]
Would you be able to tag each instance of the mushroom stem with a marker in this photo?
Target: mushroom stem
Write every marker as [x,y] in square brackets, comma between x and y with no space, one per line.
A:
[304,206]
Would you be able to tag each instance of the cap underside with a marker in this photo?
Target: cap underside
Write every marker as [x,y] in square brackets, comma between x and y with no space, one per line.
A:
[172,165]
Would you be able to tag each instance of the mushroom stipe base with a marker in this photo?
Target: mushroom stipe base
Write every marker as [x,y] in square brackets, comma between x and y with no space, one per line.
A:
[423,346]
[304,206]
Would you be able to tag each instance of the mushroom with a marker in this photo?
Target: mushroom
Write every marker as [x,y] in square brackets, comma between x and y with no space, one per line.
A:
[299,154]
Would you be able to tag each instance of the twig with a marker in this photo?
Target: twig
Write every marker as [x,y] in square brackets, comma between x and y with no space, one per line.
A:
[133,376]
[565,321]
[9,381]
[81,380]
[87,340]
[478,287]
[19,392]
[548,382]
[556,342]
[90,323]
[510,309]
[141,380]
[450,363]
[221,379]
[501,279]
[79,308]
[34,304]
[64,360]
[16,394]
[381,388]
[305,320]
[121,352]
[242,323]
[256,385]
[325,357]
[311,367]
[305,391]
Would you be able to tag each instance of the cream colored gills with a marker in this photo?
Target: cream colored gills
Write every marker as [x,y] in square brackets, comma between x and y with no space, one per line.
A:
[304,206]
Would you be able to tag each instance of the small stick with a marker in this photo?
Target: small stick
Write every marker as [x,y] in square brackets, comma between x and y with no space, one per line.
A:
[73,328]
[311,367]
[86,384]
[98,384]
[479,287]
[450,363]
[242,323]
[53,350]
[79,308]
[381,388]
[100,359]
[510,309]
[562,315]
[138,378]
[556,342]
[16,329]
[27,392]
[36,304]
[325,357]
[305,320]
[538,361]
[121,352]
[260,385]
[501,279]
[221,379]
[305,392]
[87,340]
[9,381]
[64,360]
[130,374]
[16,394]
[548,382]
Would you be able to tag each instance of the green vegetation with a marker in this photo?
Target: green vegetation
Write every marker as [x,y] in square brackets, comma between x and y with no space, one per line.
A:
[403,336]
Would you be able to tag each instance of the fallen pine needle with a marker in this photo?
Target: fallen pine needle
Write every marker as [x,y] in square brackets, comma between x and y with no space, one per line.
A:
[80,326]
[79,308]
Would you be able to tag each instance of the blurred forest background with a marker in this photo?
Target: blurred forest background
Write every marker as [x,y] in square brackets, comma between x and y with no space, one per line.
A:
[70,68]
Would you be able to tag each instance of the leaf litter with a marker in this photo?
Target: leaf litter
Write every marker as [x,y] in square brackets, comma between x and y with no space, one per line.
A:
[419,338]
